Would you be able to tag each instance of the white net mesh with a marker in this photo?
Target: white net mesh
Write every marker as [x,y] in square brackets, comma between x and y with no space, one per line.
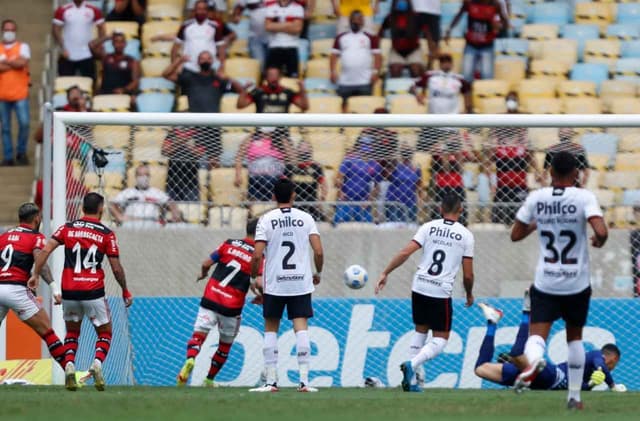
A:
[176,192]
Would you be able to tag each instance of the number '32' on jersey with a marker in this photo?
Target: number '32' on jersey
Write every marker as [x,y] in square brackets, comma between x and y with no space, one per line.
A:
[561,215]
[444,243]
[86,241]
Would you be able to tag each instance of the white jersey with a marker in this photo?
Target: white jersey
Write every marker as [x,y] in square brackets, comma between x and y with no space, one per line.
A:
[444,243]
[287,268]
[561,215]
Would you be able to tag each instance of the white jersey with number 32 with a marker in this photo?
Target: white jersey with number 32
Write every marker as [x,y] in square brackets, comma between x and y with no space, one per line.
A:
[561,215]
[287,268]
[444,243]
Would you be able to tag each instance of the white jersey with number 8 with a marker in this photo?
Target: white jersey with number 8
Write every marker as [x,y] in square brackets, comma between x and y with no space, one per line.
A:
[287,268]
[444,243]
[561,215]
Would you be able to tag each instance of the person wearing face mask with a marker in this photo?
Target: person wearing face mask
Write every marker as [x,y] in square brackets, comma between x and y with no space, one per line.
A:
[308,176]
[142,206]
[284,21]
[344,8]
[14,93]
[360,59]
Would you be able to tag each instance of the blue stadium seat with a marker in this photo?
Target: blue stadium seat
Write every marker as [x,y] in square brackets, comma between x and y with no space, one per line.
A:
[630,49]
[512,48]
[629,13]
[519,13]
[556,13]
[316,86]
[59,100]
[156,84]
[580,33]
[601,144]
[631,198]
[384,8]
[241,28]
[627,69]
[623,31]
[398,86]
[322,30]
[592,72]
[155,102]
[132,48]
[303,50]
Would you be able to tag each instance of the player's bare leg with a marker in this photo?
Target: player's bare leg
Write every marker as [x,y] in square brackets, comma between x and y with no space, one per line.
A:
[575,365]
[41,324]
[534,351]
[193,349]
[303,349]
[71,344]
[103,343]
[270,351]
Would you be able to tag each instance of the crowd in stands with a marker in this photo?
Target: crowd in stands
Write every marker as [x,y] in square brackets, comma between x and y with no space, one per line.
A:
[340,56]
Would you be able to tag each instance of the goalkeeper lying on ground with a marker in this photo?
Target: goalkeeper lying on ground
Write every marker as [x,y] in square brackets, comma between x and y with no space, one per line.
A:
[597,370]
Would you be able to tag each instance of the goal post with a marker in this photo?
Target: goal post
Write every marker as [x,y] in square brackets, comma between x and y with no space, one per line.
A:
[363,221]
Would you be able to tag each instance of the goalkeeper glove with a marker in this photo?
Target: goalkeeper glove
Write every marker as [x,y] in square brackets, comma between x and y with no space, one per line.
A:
[619,388]
[597,377]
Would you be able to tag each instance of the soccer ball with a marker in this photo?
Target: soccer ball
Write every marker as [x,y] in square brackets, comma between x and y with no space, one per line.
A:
[355,277]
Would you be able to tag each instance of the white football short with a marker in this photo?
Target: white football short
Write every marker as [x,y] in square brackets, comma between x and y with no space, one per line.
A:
[96,310]
[228,326]
[20,299]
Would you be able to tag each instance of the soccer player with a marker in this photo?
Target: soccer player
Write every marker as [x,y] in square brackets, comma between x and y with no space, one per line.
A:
[222,302]
[446,245]
[19,247]
[561,289]
[283,236]
[598,363]
[86,241]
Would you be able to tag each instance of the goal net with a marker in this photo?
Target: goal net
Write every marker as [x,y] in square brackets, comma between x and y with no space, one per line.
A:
[178,185]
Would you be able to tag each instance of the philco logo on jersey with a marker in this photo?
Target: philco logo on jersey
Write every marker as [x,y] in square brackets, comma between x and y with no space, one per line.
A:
[445,232]
[555,208]
[286,222]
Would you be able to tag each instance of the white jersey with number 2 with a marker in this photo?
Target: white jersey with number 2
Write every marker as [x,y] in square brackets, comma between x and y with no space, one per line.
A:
[444,243]
[561,215]
[287,268]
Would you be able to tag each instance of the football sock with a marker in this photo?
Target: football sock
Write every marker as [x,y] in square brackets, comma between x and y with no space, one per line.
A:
[218,359]
[71,345]
[303,348]
[417,342]
[429,351]
[55,345]
[488,346]
[103,343]
[491,329]
[575,363]
[534,348]
[521,337]
[195,344]
[525,318]
[270,352]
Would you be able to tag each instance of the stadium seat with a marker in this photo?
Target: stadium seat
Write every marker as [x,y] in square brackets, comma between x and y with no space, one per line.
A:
[621,180]
[600,14]
[600,143]
[241,28]
[576,88]
[606,198]
[192,213]
[460,28]
[290,83]
[405,104]
[156,84]
[624,106]
[62,83]
[398,86]
[119,103]
[129,29]
[149,137]
[222,187]
[631,198]
[627,69]
[229,105]
[496,105]
[162,11]
[183,104]
[243,67]
[111,137]
[151,29]
[155,102]
[132,49]
[325,105]
[321,31]
[581,105]
[580,33]
[542,138]
[327,150]
[542,106]
[590,72]
[510,70]
[323,12]
[239,48]
[303,52]
[319,86]
[561,50]
[630,49]
[628,161]
[364,104]
[157,49]
[539,32]
[605,51]
[228,217]
[512,48]
[321,48]
[154,66]
[318,68]
[518,17]
[629,13]
[489,88]
[629,141]
[548,69]
[623,31]
[600,162]
[59,100]
[535,88]
[556,13]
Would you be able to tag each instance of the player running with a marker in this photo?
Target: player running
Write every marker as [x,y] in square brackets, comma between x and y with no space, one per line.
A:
[561,289]
[598,363]
[222,302]
[446,245]
[86,241]
[19,247]
[283,236]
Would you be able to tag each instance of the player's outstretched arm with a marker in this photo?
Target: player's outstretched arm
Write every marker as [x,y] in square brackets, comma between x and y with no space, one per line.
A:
[467,279]
[118,273]
[40,259]
[600,231]
[396,262]
[318,256]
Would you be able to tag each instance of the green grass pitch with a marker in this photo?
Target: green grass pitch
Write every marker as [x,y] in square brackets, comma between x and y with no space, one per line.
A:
[190,404]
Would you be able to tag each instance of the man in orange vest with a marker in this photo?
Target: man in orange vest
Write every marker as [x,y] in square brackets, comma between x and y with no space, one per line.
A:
[14,92]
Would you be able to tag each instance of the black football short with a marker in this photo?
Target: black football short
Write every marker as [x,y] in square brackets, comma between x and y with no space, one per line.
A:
[298,306]
[436,313]
[432,23]
[573,309]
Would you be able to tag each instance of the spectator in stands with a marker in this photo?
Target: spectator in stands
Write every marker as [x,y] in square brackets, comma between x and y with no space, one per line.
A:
[309,179]
[272,97]
[184,151]
[358,180]
[404,189]
[258,38]
[444,88]
[284,23]
[266,155]
[76,100]
[73,25]
[482,29]
[404,25]
[344,8]
[142,206]
[120,72]
[428,12]
[14,93]
[309,8]
[197,35]
[128,10]
[567,144]
[360,59]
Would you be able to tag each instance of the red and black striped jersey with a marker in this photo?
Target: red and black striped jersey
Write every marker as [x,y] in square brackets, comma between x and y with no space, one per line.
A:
[227,288]
[16,254]
[86,241]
